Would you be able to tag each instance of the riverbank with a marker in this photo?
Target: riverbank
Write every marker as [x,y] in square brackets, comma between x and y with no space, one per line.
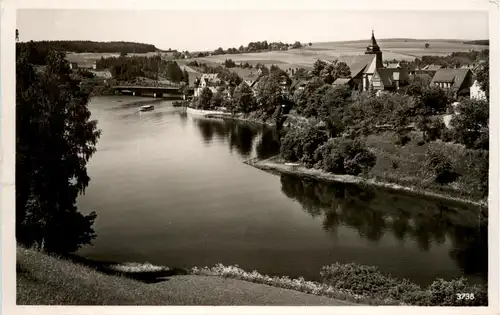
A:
[221,114]
[277,165]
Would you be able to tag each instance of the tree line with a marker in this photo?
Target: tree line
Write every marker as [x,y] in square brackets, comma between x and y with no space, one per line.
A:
[85,46]
[126,68]
[455,59]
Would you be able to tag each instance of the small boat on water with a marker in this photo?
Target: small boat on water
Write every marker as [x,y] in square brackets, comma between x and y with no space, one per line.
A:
[146,108]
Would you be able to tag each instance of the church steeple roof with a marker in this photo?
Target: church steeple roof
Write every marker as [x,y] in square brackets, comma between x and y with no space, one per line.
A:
[373,47]
[374,41]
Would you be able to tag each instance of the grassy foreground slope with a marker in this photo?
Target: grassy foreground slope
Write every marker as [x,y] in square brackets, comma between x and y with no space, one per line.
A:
[46,280]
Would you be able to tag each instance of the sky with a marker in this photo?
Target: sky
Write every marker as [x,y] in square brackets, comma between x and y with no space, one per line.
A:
[208,30]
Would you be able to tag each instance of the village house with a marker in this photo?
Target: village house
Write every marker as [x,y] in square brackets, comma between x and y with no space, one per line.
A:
[431,69]
[476,92]
[458,81]
[388,79]
[298,85]
[210,80]
[73,65]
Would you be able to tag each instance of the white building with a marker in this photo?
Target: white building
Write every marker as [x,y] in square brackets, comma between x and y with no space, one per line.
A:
[476,92]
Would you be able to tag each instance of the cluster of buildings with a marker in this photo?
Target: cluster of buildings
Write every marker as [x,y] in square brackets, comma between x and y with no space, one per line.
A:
[105,74]
[370,73]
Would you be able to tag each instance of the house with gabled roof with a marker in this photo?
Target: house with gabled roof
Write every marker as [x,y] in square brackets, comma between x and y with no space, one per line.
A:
[432,69]
[386,79]
[458,81]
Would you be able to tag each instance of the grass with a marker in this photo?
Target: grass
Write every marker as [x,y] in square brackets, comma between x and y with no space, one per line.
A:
[49,280]
[405,165]
[299,284]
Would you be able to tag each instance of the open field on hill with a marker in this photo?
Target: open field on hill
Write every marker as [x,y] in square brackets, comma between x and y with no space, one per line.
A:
[399,49]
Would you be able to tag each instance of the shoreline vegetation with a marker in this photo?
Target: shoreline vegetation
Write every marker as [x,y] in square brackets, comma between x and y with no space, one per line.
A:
[277,164]
[345,284]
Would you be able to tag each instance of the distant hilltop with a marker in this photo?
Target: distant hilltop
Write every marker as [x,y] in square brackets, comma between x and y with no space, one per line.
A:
[81,46]
[484,42]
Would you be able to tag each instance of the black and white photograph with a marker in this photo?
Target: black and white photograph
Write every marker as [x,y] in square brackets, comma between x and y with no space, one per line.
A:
[250,157]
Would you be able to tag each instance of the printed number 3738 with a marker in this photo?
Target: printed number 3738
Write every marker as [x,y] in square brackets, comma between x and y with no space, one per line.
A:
[465,296]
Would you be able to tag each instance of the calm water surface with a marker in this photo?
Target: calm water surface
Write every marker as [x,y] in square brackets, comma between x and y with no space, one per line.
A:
[171,189]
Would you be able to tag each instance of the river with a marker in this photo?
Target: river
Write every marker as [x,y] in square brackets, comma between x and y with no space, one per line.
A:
[172,189]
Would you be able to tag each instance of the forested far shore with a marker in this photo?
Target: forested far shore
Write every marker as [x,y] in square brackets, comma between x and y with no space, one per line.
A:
[87,46]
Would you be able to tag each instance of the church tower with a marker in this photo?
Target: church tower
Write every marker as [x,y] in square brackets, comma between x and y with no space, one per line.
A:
[374,49]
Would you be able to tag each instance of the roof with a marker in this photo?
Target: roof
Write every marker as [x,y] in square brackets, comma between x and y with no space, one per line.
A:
[423,76]
[342,81]
[393,66]
[433,67]
[209,76]
[299,82]
[357,63]
[455,76]
[387,75]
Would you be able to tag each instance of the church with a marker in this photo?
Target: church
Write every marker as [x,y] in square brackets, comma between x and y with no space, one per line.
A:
[368,72]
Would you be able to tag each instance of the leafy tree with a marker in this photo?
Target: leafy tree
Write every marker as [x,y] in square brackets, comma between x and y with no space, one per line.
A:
[274,69]
[346,156]
[318,67]
[482,73]
[219,51]
[304,104]
[218,98]
[55,139]
[185,76]
[417,86]
[427,45]
[434,100]
[269,93]
[471,124]
[300,73]
[205,99]
[296,45]
[229,63]
[332,108]
[17,35]
[174,72]
[244,99]
[334,70]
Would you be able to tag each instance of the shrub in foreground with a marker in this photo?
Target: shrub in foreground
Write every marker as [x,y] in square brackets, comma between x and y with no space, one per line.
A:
[368,281]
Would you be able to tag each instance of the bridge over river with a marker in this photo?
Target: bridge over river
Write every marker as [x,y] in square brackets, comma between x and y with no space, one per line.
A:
[154,91]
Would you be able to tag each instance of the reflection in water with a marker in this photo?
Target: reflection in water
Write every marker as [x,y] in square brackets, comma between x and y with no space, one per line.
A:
[241,137]
[183,118]
[374,214]
[268,144]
